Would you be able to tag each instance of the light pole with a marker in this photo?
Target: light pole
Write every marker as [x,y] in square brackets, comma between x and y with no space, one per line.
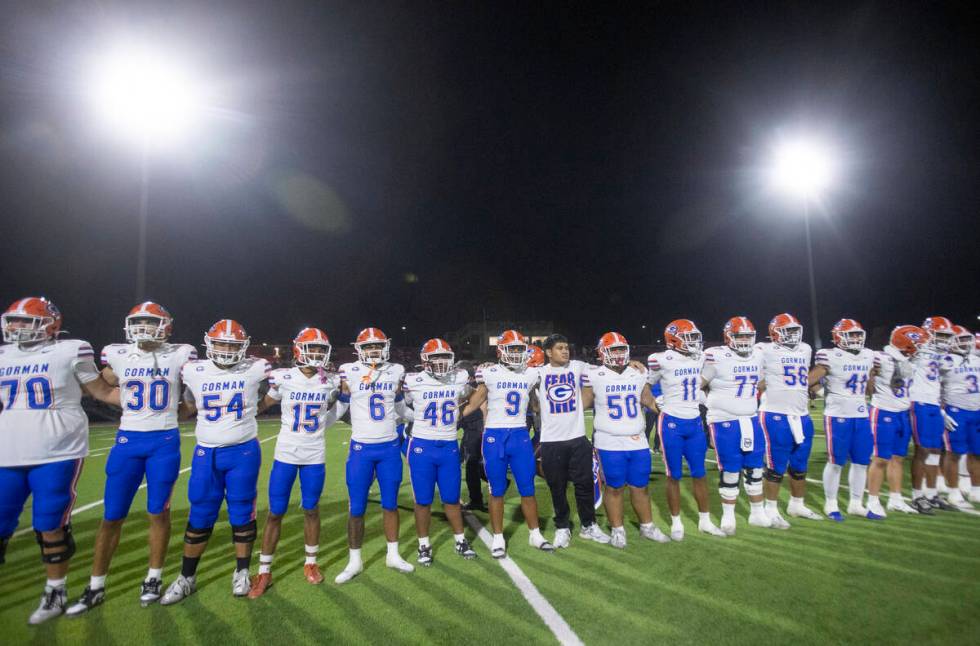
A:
[148,99]
[803,168]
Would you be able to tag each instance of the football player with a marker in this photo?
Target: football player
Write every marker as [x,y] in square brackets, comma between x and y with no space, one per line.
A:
[891,429]
[505,387]
[308,397]
[785,417]
[45,434]
[225,392]
[731,376]
[147,369]
[928,418]
[373,387]
[961,400]
[678,370]
[435,395]
[619,391]
[846,369]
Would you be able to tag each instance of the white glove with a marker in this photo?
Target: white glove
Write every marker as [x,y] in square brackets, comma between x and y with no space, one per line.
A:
[948,421]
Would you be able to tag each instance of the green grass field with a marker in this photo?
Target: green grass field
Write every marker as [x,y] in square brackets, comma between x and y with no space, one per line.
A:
[904,580]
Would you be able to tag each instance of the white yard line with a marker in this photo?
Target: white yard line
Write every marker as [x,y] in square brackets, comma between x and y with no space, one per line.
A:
[555,622]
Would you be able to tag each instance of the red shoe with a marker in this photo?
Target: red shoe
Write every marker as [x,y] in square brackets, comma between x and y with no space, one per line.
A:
[312,573]
[260,583]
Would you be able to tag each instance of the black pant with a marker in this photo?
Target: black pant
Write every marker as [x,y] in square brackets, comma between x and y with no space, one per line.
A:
[472,451]
[564,461]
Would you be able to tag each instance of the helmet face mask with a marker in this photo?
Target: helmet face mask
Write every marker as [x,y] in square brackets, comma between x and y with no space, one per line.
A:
[24,330]
[691,343]
[438,364]
[942,341]
[144,328]
[225,353]
[615,356]
[312,354]
[373,352]
[963,341]
[513,355]
[742,342]
[789,335]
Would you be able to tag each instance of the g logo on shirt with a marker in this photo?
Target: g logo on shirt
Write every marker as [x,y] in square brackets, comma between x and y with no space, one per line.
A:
[560,393]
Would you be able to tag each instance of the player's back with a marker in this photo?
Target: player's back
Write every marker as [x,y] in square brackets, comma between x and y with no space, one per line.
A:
[507,394]
[846,381]
[149,383]
[785,370]
[373,390]
[435,403]
[226,398]
[733,382]
[680,378]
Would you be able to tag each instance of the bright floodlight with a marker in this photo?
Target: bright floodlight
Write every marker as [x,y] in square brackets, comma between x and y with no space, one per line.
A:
[802,167]
[145,96]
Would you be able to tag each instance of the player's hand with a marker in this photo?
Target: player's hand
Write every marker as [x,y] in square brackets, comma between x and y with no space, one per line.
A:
[638,365]
[948,421]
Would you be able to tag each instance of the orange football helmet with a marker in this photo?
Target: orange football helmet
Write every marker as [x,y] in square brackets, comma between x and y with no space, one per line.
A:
[535,357]
[940,331]
[30,320]
[148,322]
[373,347]
[848,334]
[963,340]
[909,339]
[614,350]
[226,342]
[739,334]
[311,348]
[785,329]
[512,349]
[438,358]
[684,336]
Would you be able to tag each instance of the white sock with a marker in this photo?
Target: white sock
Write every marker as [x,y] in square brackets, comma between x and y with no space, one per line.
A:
[355,557]
[831,485]
[459,538]
[894,497]
[755,506]
[857,477]
[536,534]
[423,541]
[727,512]
[916,493]
[311,551]
[795,503]
[642,526]
[393,549]
[154,573]
[498,540]
[675,522]
[941,481]
[57,583]
[930,492]
[772,507]
[96,582]
[265,563]
[704,516]
[954,495]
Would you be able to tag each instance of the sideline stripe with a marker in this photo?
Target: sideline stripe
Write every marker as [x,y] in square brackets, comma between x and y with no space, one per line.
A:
[555,622]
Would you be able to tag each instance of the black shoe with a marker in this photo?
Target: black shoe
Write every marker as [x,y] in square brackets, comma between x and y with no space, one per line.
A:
[463,549]
[425,556]
[922,506]
[940,503]
[475,506]
[150,591]
[89,599]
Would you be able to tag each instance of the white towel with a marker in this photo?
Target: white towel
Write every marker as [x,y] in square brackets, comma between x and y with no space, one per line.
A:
[796,427]
[748,433]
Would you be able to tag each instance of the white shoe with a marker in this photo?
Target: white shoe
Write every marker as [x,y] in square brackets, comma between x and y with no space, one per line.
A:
[961,503]
[802,511]
[53,603]
[541,544]
[877,510]
[594,533]
[973,497]
[901,506]
[677,533]
[180,589]
[498,549]
[396,562]
[618,538]
[776,521]
[348,573]
[727,526]
[241,583]
[855,508]
[654,534]
[760,519]
[562,538]
[708,527]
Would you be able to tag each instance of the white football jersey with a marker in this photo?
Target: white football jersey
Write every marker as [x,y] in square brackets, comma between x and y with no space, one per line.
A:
[619,420]
[847,381]
[226,398]
[507,395]
[40,389]
[372,400]
[680,377]
[306,413]
[149,383]
[894,374]
[733,383]
[786,372]
[927,379]
[435,403]
[961,382]
[560,401]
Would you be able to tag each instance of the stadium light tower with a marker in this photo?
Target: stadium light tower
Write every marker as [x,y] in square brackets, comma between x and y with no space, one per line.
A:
[804,168]
[150,100]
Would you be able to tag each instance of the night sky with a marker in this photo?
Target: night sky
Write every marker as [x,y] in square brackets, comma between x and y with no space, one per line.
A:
[417,164]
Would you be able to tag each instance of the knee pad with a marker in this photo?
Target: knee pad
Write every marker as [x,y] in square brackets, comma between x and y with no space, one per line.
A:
[728,485]
[244,533]
[67,543]
[772,476]
[797,475]
[932,459]
[197,535]
[753,481]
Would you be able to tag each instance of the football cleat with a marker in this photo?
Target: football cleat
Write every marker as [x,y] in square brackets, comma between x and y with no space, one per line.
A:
[922,506]
[962,504]
[677,532]
[727,526]
[652,534]
[777,521]
[498,548]
[709,528]
[312,573]
[396,562]
[901,506]
[425,556]
[463,549]
[541,543]
[180,589]
[874,516]
[259,584]
[594,533]
[802,511]
[241,583]
[348,573]
[760,519]
[940,503]
[150,591]
[89,599]
[563,537]
[618,538]
[875,509]
[855,508]
[53,603]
